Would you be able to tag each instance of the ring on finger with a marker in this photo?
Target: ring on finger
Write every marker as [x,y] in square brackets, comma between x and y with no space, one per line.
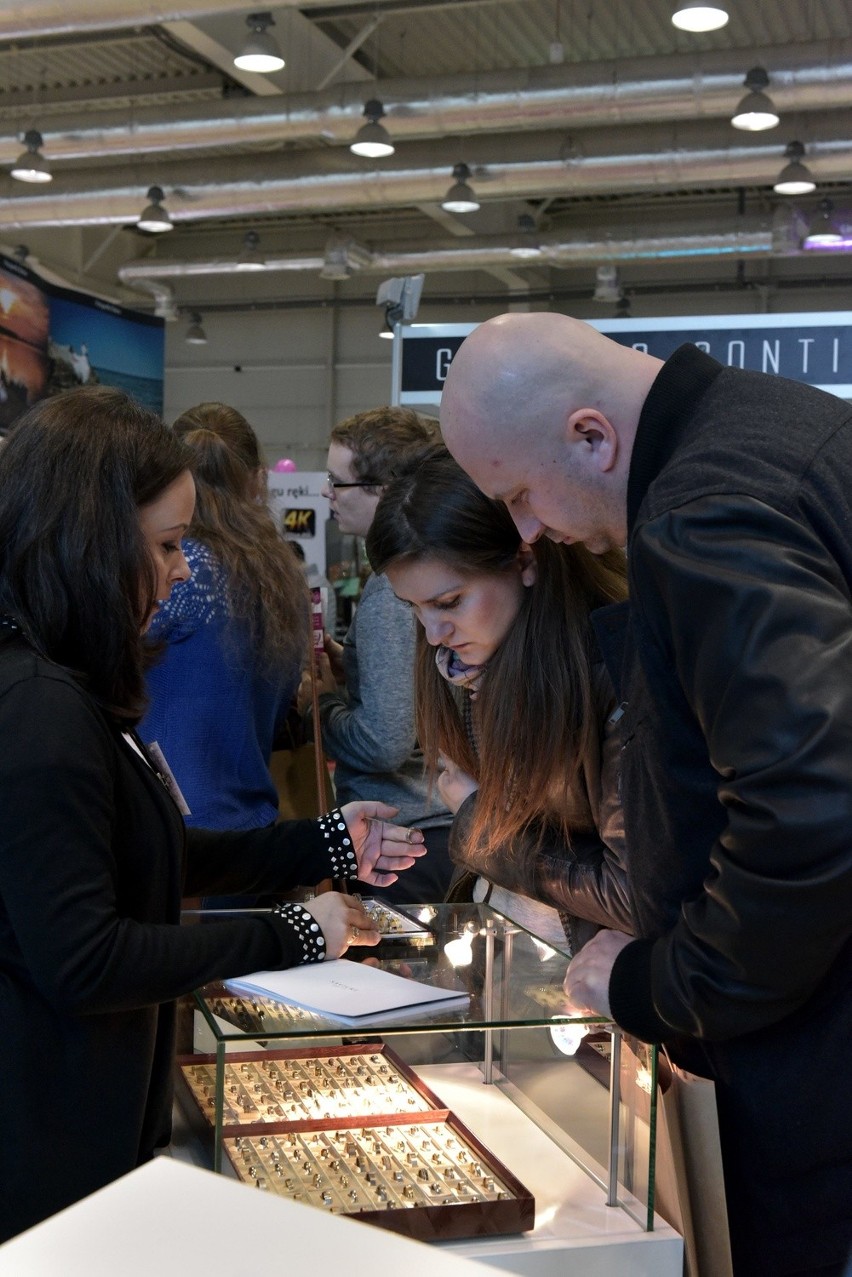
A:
[356,932]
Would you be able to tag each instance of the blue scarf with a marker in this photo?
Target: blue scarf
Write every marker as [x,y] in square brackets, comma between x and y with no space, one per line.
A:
[454,670]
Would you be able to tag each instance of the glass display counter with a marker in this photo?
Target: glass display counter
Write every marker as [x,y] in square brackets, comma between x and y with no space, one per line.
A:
[301,1104]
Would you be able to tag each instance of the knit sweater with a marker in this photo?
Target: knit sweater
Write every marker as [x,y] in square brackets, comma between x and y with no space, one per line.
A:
[212,712]
[369,728]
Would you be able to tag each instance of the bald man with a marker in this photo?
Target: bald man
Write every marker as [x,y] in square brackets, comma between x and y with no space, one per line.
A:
[732,492]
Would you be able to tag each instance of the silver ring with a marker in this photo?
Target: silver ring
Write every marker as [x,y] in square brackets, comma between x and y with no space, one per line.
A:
[356,931]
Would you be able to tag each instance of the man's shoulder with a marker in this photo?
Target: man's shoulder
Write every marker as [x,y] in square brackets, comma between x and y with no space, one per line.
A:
[756,435]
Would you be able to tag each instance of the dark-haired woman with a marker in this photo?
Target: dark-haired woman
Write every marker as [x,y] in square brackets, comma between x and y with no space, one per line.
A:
[512,702]
[95,496]
[366,702]
[235,633]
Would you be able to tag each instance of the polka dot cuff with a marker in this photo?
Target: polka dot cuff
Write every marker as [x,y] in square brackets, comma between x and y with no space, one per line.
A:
[339,845]
[308,934]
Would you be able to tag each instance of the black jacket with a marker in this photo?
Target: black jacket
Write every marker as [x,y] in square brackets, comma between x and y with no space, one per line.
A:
[94,860]
[734,663]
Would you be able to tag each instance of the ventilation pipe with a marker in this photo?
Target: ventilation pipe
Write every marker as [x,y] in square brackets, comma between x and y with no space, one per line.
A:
[627,91]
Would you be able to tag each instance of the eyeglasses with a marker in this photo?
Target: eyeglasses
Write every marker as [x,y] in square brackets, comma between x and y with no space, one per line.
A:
[339,483]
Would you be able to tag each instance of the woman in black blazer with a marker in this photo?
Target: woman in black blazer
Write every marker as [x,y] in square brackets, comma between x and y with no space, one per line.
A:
[95,495]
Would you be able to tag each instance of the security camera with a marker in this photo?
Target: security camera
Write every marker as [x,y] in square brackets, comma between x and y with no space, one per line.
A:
[400,297]
[390,292]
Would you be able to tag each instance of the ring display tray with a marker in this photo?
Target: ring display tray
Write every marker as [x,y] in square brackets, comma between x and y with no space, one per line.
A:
[353,1130]
[394,923]
[305,1084]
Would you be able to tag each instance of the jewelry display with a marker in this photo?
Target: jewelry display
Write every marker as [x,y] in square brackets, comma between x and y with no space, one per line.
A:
[352,1130]
[254,1014]
[381,1168]
[395,923]
[275,1089]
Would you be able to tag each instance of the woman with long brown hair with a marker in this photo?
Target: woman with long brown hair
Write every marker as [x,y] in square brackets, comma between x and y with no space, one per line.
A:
[512,701]
[235,634]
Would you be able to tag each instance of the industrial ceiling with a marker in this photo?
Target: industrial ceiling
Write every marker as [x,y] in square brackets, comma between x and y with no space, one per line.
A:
[595,133]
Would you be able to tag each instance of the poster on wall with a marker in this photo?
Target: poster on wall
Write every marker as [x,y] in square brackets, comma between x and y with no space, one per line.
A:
[24,335]
[53,338]
[95,341]
[300,511]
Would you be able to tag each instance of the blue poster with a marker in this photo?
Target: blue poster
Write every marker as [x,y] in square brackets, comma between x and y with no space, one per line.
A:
[95,341]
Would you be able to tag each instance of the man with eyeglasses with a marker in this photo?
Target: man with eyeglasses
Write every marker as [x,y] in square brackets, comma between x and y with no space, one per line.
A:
[366,702]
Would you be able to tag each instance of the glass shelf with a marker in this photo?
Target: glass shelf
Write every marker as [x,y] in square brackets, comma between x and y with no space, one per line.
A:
[511,976]
[598,1106]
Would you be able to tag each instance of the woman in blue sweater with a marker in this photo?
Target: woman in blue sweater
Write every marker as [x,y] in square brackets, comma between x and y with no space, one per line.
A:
[235,634]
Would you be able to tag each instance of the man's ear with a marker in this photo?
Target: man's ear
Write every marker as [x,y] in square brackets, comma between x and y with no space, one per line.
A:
[596,436]
[529,567]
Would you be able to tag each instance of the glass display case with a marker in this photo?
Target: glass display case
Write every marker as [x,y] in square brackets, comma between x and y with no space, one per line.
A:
[402,1108]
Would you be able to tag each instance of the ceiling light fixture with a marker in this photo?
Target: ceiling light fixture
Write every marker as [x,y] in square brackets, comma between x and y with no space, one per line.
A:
[695,16]
[195,334]
[795,177]
[250,258]
[260,52]
[825,229]
[154,217]
[460,197]
[372,139]
[756,111]
[607,285]
[527,246]
[31,166]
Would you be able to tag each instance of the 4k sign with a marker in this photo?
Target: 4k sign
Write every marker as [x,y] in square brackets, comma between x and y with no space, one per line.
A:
[299,523]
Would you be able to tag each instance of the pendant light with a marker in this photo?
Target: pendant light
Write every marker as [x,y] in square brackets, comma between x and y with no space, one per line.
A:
[756,111]
[31,166]
[824,230]
[696,16]
[249,257]
[795,177]
[195,334]
[372,139]
[154,217]
[607,285]
[260,53]
[460,198]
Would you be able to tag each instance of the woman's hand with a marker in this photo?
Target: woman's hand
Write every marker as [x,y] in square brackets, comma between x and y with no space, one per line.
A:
[383,850]
[343,921]
[454,785]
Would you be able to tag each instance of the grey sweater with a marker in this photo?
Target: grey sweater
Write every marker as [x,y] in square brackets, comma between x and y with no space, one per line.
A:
[369,729]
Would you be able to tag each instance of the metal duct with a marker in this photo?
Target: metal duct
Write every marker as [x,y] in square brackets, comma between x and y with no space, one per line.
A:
[628,91]
[513,167]
[752,241]
[58,17]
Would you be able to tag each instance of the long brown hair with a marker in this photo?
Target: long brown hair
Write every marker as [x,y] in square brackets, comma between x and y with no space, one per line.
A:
[534,715]
[266,588]
[75,571]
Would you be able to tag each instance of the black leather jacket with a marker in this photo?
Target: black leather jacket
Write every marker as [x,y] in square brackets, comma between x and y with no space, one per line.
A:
[586,882]
[734,660]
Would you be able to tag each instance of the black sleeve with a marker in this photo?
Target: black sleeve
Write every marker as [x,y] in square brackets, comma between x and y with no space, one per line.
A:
[256,861]
[88,916]
[756,621]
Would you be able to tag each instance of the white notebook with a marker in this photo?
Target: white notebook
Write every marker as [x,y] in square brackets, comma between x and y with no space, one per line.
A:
[349,991]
